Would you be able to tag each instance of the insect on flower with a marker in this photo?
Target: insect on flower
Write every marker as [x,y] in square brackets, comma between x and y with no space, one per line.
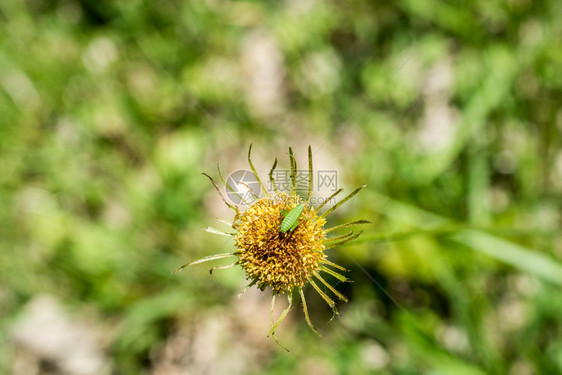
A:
[281,241]
[291,219]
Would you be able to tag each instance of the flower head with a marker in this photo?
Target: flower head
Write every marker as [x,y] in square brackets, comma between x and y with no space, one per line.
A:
[285,260]
[282,261]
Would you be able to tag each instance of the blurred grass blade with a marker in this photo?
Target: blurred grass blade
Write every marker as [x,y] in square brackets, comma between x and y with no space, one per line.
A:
[520,257]
[515,255]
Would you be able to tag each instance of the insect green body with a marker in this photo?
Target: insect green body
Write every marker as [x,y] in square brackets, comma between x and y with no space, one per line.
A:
[291,220]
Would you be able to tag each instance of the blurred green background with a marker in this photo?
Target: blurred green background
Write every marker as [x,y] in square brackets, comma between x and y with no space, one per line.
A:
[449,111]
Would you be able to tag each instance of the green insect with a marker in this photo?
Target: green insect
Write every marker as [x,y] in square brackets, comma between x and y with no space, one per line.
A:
[291,220]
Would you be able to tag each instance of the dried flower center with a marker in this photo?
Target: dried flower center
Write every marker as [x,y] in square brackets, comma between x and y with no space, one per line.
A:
[280,260]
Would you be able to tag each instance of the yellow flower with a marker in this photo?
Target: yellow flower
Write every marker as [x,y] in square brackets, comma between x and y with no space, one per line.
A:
[285,261]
